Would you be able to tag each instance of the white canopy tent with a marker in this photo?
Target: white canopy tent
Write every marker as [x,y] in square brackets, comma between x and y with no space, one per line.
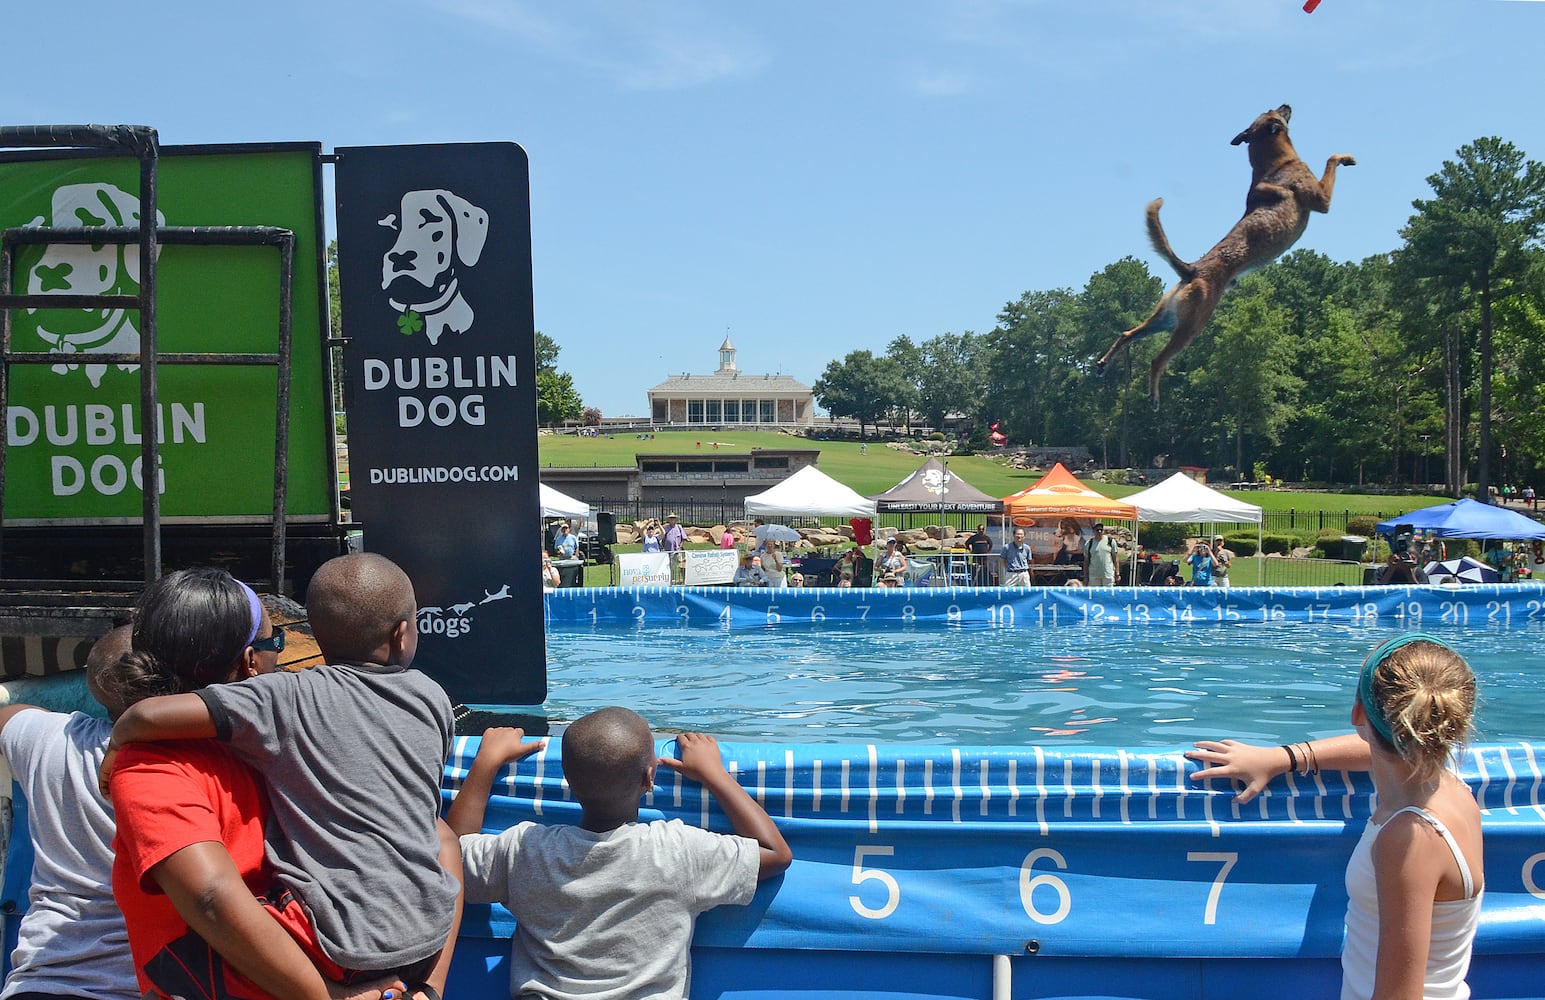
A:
[1182,499]
[558,504]
[809,493]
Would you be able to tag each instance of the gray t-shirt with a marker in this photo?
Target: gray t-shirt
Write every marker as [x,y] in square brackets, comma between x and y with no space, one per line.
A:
[72,940]
[353,758]
[606,915]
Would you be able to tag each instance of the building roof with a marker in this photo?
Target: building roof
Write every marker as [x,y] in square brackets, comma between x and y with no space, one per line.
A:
[731,383]
[726,346]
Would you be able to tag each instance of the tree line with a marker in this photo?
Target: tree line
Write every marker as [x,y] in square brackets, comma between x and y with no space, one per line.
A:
[1424,364]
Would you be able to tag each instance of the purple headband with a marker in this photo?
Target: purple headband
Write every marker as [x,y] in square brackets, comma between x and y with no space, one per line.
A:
[257,611]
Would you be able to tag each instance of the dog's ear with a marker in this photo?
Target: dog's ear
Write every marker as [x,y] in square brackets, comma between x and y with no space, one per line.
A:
[470,226]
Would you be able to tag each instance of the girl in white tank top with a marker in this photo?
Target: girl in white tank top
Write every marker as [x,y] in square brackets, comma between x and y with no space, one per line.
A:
[1418,864]
[1413,891]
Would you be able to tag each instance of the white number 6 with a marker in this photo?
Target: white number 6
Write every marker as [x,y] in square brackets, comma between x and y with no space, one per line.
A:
[862,875]
[1028,884]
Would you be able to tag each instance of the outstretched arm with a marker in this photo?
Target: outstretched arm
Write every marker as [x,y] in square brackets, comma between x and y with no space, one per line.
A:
[153,720]
[701,762]
[499,746]
[167,717]
[1257,765]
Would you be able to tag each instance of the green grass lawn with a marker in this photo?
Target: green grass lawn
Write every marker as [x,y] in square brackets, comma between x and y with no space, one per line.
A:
[880,468]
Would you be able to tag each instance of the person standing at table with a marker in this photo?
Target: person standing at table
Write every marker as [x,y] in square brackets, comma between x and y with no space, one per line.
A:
[1016,561]
[566,545]
[675,543]
[979,545]
[1102,558]
[1222,559]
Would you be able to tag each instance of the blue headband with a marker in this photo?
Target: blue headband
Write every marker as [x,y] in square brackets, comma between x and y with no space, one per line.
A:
[1371,708]
[257,611]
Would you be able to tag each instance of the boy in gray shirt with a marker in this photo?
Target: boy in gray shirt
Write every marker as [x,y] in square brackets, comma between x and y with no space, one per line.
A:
[352,753]
[604,910]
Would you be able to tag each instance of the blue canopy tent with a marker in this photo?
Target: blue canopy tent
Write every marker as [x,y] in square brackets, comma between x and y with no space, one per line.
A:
[1467,519]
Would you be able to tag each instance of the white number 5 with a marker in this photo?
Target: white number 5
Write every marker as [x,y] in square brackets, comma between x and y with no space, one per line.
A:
[862,875]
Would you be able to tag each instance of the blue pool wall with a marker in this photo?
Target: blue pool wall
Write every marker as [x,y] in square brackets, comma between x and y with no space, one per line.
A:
[1025,872]
[1513,605]
[1106,863]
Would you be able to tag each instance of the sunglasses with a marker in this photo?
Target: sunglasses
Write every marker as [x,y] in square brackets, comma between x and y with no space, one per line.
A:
[273,644]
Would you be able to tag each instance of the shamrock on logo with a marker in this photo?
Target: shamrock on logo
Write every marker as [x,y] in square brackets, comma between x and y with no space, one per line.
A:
[410,323]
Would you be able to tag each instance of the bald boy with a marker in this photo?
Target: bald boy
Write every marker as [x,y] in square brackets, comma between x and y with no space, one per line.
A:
[352,753]
[606,908]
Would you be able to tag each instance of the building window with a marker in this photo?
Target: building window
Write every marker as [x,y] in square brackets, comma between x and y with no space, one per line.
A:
[723,467]
[715,414]
[768,417]
[694,411]
[772,462]
[732,411]
[748,410]
[659,411]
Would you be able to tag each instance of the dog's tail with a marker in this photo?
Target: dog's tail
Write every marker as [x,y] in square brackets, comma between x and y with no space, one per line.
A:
[1161,242]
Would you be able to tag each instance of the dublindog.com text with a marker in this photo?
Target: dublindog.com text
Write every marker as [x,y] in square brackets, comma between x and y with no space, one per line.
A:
[446,474]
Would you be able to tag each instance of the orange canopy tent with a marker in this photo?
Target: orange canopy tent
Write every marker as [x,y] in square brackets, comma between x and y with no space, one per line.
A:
[1060,493]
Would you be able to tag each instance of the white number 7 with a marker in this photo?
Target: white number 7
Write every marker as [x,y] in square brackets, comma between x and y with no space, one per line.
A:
[862,875]
[1227,859]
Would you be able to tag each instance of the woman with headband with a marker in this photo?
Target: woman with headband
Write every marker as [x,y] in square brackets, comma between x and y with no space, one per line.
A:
[189,847]
[1414,880]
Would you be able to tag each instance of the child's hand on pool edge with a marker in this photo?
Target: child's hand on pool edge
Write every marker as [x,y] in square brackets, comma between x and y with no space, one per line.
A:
[503,744]
[1253,765]
[699,758]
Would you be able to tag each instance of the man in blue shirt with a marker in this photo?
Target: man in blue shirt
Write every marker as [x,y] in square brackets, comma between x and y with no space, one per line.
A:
[1016,561]
[566,545]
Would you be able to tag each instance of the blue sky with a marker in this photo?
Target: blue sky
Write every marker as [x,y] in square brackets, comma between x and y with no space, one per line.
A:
[821,177]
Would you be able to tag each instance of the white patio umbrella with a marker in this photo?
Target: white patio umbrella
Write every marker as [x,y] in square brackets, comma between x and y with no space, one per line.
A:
[1464,569]
[776,533]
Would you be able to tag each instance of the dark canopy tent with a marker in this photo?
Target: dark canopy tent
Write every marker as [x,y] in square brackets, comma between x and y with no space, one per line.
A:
[933,488]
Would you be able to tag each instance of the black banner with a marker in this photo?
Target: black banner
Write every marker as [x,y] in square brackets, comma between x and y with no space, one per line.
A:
[434,259]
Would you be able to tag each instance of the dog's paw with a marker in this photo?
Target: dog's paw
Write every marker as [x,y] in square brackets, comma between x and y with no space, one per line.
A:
[1347,160]
[1153,402]
[1099,367]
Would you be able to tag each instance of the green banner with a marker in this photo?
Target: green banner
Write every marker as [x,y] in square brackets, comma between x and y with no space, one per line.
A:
[74,427]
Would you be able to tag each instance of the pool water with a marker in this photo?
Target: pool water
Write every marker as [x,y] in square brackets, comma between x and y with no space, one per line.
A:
[1111,685]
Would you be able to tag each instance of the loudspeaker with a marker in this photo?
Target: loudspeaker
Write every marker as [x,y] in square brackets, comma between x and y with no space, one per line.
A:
[606,527]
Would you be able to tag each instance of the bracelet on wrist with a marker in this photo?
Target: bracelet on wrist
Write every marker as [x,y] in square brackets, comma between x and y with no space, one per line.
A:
[1292,757]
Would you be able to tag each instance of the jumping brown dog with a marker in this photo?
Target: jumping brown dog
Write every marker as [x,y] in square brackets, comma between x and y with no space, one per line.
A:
[1283,191]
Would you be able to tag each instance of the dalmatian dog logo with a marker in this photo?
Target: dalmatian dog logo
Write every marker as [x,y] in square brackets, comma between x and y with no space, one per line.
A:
[93,269]
[438,232]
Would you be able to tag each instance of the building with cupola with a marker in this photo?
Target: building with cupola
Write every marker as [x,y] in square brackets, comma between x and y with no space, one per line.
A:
[730,397]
